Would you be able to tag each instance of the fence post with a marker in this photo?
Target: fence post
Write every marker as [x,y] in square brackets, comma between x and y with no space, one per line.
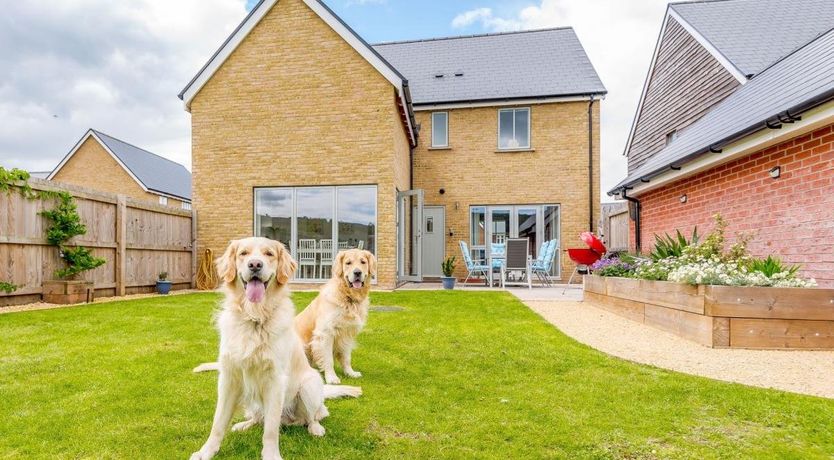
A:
[121,245]
[193,249]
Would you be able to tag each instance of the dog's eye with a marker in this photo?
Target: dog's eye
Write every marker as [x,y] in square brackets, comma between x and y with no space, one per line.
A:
[349,262]
[244,253]
[363,262]
[269,253]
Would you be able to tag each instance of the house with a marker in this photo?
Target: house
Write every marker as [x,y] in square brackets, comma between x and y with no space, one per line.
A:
[737,117]
[305,133]
[104,163]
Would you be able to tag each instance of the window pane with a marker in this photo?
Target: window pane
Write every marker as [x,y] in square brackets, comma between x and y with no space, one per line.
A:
[439,129]
[527,228]
[505,129]
[500,225]
[478,226]
[551,232]
[314,221]
[273,214]
[357,218]
[522,128]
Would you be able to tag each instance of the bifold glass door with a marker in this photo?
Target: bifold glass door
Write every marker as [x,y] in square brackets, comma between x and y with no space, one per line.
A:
[491,225]
[410,235]
[315,223]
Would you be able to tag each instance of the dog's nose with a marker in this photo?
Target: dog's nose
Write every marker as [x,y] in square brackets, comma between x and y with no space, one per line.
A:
[255,265]
[357,272]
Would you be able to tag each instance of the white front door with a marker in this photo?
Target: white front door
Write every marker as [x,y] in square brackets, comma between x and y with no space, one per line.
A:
[434,239]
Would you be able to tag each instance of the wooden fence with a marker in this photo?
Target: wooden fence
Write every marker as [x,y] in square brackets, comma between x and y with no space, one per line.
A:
[614,226]
[137,239]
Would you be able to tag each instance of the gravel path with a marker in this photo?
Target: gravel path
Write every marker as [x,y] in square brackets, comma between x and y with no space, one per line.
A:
[807,372]
[49,306]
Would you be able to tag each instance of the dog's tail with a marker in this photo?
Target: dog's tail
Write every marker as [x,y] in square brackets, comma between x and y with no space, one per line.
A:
[205,367]
[341,391]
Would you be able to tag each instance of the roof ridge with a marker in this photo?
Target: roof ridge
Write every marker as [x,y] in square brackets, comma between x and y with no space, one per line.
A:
[794,51]
[137,147]
[456,37]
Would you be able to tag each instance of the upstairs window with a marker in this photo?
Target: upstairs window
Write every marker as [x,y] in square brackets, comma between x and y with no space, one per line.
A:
[186,206]
[440,129]
[163,200]
[514,129]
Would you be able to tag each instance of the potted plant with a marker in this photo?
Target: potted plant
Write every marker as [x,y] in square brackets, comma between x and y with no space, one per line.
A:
[448,267]
[163,284]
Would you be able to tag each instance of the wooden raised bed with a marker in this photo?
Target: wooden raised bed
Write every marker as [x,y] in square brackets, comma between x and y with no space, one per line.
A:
[722,316]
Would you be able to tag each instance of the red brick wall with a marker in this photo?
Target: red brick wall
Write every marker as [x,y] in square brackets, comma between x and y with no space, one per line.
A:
[792,216]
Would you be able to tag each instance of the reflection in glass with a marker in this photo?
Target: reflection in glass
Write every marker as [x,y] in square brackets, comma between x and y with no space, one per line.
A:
[314,222]
[526,218]
[273,214]
[551,231]
[357,217]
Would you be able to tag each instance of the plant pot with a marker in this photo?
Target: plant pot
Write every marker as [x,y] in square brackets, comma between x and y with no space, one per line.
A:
[163,287]
[448,282]
[67,292]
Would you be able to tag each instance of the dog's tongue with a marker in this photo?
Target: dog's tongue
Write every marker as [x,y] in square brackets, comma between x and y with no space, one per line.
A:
[255,291]
[356,284]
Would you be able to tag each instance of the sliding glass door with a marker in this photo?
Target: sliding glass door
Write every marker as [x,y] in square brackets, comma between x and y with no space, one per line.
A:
[315,223]
[491,225]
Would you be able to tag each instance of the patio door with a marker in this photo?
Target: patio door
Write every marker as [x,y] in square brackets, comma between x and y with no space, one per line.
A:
[410,235]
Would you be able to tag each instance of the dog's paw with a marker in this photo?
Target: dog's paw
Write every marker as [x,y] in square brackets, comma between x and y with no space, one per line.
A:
[353,374]
[200,455]
[316,429]
[271,454]
[244,425]
[332,379]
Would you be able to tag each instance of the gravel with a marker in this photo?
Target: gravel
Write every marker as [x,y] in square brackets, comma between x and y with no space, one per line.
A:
[798,371]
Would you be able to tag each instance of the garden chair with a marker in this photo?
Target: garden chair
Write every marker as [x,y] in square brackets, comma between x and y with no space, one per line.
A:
[543,264]
[518,259]
[474,268]
[498,252]
[360,244]
[325,256]
[343,245]
[307,256]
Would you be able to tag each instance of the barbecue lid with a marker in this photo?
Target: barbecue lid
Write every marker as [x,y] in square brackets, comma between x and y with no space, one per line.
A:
[593,242]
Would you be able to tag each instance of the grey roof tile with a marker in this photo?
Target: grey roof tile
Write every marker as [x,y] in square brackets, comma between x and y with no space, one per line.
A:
[752,34]
[155,172]
[801,78]
[548,62]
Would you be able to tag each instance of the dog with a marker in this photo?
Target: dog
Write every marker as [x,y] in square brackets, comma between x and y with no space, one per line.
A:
[262,363]
[336,316]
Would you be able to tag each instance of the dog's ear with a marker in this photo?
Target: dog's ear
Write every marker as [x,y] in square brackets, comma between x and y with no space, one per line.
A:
[371,262]
[286,264]
[338,267]
[226,266]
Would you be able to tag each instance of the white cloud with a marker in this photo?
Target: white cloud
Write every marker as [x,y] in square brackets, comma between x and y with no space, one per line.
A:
[114,66]
[619,37]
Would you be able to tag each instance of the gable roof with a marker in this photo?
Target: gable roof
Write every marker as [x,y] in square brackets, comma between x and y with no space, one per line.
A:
[331,19]
[152,172]
[779,94]
[513,65]
[753,34]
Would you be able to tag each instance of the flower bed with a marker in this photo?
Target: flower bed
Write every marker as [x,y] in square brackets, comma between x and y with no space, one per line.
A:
[722,316]
[717,297]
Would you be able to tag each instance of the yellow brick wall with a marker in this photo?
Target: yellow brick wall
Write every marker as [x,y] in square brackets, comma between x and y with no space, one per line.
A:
[473,173]
[294,105]
[91,166]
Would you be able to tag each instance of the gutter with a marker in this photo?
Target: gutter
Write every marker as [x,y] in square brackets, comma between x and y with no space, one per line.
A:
[636,218]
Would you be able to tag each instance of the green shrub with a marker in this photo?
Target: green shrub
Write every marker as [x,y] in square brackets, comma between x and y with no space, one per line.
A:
[771,266]
[448,266]
[66,224]
[672,246]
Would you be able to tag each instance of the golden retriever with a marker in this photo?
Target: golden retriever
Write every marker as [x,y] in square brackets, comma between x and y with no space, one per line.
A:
[336,316]
[262,363]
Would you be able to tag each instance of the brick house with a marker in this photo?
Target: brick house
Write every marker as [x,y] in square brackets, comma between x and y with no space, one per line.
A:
[102,162]
[305,133]
[733,121]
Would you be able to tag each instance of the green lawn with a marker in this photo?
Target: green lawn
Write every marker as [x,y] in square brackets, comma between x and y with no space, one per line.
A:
[454,375]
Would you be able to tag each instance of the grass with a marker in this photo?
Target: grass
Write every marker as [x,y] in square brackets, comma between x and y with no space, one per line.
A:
[453,375]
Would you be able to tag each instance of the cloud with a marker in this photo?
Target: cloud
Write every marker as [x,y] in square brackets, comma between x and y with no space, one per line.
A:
[114,66]
[618,36]
[365,2]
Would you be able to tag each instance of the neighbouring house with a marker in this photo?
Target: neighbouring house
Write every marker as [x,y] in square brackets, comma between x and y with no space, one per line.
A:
[737,117]
[305,133]
[107,164]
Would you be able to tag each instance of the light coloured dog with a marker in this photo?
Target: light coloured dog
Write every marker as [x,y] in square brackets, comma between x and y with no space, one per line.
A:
[330,324]
[262,363]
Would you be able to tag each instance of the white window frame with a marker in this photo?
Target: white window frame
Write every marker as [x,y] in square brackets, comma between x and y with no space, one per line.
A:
[185,205]
[514,110]
[446,145]
[335,229]
[163,200]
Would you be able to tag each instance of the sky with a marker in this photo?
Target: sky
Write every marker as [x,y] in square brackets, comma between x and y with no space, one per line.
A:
[117,66]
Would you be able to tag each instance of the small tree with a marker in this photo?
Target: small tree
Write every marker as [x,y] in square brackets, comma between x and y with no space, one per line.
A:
[66,224]
[448,266]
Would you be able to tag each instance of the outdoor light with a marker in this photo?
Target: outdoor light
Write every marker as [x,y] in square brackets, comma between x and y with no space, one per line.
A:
[683,198]
[442,191]
[775,172]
